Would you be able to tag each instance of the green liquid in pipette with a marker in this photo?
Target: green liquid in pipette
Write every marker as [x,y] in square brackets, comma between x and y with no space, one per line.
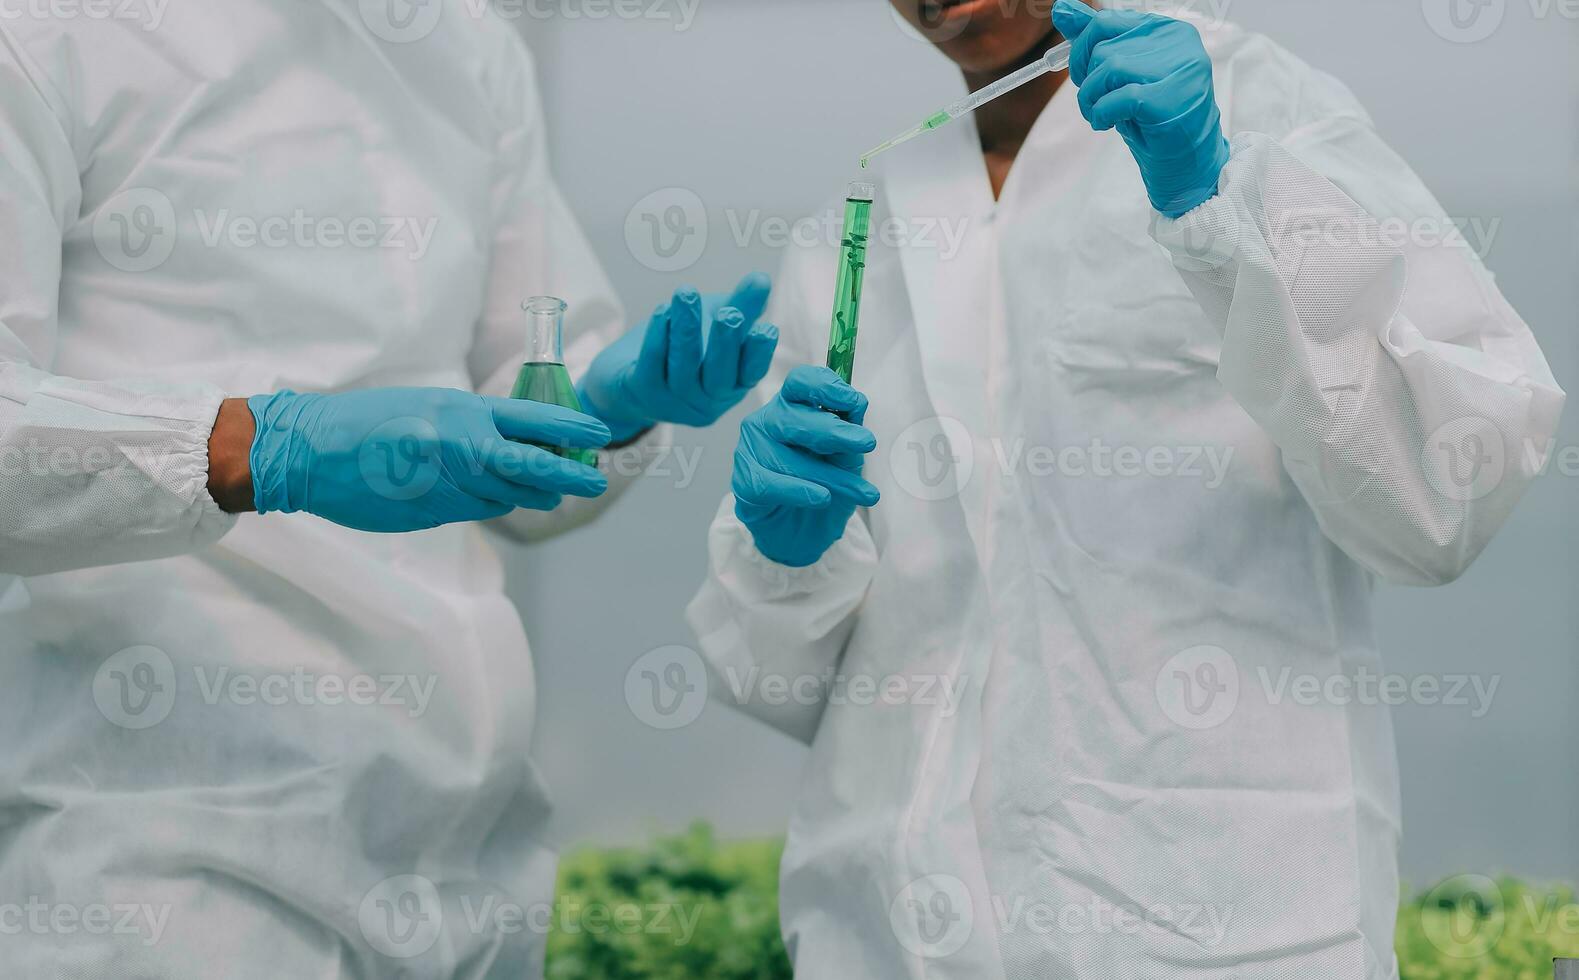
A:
[550,384]
[936,121]
[847,294]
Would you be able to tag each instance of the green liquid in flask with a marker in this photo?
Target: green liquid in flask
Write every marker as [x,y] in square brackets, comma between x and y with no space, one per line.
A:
[550,383]
[852,273]
[543,378]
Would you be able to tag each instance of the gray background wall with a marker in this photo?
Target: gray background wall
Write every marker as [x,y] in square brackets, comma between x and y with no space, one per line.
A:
[742,104]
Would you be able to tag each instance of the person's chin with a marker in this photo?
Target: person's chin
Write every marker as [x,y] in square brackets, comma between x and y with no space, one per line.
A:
[975,34]
[983,52]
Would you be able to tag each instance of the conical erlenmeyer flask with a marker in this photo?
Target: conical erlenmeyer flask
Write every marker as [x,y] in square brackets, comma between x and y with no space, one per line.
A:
[543,377]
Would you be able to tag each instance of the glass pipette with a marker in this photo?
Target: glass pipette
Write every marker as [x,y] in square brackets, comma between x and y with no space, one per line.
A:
[1055,60]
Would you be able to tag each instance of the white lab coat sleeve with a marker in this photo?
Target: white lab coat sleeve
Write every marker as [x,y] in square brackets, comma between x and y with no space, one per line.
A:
[539,249]
[91,472]
[1410,402]
[773,637]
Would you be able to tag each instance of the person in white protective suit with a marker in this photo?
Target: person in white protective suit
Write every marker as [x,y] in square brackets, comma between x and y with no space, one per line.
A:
[269,745]
[1134,468]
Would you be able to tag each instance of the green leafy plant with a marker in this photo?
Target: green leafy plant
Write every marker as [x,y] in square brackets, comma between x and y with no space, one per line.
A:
[691,908]
[1471,927]
[685,908]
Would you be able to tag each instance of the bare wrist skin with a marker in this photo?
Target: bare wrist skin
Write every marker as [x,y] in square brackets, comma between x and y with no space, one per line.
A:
[230,457]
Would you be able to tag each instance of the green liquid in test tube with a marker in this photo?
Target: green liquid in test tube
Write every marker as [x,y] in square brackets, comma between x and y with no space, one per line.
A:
[852,273]
[544,378]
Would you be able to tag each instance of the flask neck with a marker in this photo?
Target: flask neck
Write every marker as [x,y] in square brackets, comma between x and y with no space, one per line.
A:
[545,322]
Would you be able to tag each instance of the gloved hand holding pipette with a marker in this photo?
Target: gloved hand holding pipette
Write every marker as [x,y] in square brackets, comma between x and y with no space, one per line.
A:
[1150,78]
[1147,76]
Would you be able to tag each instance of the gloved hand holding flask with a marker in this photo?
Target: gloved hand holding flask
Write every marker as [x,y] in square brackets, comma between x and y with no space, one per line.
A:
[408,459]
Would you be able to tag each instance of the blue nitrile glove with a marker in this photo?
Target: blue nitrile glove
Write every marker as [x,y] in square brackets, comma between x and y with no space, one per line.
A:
[408,459]
[798,467]
[660,372]
[1150,77]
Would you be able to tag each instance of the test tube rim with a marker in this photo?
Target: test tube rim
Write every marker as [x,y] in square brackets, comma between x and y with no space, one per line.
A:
[861,190]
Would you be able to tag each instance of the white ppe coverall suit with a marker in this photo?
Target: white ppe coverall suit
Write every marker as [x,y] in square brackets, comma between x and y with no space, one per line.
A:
[1136,474]
[269,746]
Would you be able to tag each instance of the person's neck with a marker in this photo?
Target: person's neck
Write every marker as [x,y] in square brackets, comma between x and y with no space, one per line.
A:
[1004,123]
